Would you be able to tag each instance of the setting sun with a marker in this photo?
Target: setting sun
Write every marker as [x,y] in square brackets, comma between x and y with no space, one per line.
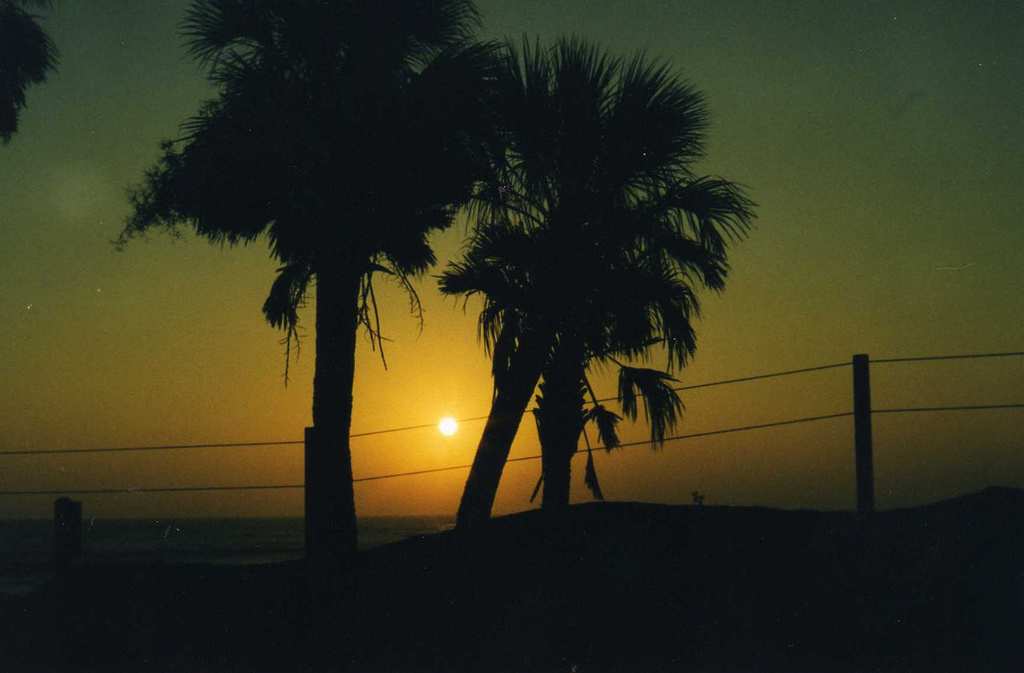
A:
[448,426]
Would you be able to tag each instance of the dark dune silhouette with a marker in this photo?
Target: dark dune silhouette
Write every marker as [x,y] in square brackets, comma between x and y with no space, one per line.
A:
[599,587]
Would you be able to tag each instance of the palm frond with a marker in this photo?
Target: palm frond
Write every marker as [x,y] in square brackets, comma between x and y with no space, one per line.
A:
[607,422]
[590,472]
[27,57]
[434,25]
[215,28]
[692,259]
[656,127]
[210,183]
[287,295]
[715,211]
[661,403]
[281,308]
[368,315]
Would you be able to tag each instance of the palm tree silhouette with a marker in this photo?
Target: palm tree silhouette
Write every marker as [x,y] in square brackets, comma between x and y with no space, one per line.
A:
[27,56]
[346,132]
[591,230]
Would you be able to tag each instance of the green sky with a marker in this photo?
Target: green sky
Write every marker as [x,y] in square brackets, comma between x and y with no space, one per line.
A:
[883,142]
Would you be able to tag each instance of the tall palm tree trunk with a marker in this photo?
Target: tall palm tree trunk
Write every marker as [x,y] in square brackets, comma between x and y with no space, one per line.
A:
[507,409]
[337,301]
[559,421]
[556,466]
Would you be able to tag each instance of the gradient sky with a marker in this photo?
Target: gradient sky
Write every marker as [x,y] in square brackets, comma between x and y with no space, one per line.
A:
[883,142]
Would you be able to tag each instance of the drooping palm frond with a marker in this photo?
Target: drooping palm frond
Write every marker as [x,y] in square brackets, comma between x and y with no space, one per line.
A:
[281,308]
[698,265]
[638,304]
[661,403]
[499,287]
[715,210]
[606,422]
[287,295]
[590,472]
[27,57]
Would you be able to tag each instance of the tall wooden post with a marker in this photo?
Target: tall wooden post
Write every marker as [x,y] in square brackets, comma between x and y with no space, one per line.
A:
[67,532]
[862,434]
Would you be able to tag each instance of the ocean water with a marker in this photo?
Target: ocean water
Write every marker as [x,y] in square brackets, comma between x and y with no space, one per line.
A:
[26,545]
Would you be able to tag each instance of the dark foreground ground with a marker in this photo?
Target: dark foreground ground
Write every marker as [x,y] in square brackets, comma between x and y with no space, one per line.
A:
[605,587]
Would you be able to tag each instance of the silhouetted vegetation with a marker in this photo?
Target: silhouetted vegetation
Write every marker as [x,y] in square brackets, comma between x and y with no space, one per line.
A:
[27,56]
[345,132]
[591,232]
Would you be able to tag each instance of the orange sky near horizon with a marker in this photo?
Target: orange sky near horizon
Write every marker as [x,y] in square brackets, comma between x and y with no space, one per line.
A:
[883,158]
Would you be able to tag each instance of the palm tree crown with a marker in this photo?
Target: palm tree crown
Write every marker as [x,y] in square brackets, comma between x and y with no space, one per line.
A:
[592,227]
[346,132]
[316,128]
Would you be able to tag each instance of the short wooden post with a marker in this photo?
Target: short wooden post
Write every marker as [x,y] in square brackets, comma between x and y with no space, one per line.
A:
[67,532]
[862,434]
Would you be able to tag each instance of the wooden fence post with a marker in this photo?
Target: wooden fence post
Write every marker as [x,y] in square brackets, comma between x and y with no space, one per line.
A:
[67,532]
[862,434]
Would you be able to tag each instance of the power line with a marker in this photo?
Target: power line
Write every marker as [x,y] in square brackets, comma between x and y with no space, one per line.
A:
[169,489]
[972,407]
[168,447]
[929,358]
[422,426]
[222,445]
[759,426]
[764,376]
[370,433]
[449,468]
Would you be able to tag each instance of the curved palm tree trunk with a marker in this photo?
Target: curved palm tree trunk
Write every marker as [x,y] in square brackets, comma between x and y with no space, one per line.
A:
[337,302]
[559,422]
[507,409]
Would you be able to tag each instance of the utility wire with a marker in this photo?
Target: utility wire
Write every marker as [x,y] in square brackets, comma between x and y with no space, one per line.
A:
[422,426]
[184,489]
[170,489]
[972,407]
[763,376]
[929,358]
[370,433]
[168,447]
[759,426]
[626,445]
